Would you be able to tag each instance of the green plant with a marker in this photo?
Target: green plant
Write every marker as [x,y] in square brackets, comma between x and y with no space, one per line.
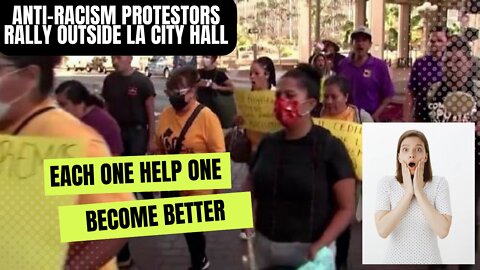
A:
[416,29]
[271,17]
[334,22]
[287,51]
[243,38]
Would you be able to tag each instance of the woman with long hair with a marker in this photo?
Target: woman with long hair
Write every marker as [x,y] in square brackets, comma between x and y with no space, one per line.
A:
[413,207]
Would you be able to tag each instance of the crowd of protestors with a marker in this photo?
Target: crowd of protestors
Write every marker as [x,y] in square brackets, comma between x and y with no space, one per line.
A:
[301,178]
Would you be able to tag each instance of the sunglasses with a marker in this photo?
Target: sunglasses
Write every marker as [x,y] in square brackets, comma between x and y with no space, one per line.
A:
[176,92]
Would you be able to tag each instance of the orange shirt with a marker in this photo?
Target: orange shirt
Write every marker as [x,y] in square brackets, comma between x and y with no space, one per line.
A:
[58,123]
[347,115]
[205,135]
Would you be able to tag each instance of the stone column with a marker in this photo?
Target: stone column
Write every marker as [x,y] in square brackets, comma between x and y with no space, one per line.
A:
[476,47]
[440,17]
[377,27]
[404,31]
[304,34]
[360,12]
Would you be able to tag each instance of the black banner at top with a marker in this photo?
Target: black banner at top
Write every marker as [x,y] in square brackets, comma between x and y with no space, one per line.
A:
[180,27]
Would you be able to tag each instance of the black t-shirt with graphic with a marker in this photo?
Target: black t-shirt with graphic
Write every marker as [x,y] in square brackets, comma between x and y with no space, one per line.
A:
[293,184]
[443,98]
[126,96]
[448,102]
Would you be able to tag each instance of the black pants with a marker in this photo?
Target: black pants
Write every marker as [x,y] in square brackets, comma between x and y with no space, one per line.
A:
[343,244]
[196,246]
[196,242]
[135,142]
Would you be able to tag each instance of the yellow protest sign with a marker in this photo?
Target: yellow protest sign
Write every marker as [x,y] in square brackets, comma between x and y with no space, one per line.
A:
[137,174]
[30,225]
[156,217]
[322,89]
[256,108]
[350,133]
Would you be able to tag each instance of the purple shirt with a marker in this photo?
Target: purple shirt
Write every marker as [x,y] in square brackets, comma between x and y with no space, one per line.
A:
[105,125]
[425,72]
[370,83]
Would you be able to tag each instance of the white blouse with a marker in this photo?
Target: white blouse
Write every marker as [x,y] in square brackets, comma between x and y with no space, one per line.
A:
[413,241]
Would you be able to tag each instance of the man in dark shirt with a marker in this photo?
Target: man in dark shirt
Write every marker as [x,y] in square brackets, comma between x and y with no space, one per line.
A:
[426,71]
[129,97]
[456,98]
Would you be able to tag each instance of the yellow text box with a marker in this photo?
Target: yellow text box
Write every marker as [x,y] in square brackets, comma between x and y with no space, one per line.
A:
[30,224]
[137,174]
[154,217]
[256,108]
[350,134]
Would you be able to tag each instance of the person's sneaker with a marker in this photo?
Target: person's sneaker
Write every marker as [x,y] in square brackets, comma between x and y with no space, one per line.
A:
[205,265]
[244,236]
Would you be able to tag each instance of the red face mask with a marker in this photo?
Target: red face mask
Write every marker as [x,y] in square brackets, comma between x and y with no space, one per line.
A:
[286,111]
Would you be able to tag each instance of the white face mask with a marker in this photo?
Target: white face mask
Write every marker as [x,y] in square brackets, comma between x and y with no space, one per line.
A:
[5,107]
[207,62]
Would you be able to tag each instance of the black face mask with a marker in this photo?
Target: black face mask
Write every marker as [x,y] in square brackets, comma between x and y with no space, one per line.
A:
[178,102]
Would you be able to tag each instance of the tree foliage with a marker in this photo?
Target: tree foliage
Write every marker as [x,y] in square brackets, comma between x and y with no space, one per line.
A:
[335,24]
[272,17]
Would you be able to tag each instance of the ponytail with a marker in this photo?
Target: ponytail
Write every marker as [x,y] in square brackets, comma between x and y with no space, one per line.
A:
[77,93]
[272,79]
[269,67]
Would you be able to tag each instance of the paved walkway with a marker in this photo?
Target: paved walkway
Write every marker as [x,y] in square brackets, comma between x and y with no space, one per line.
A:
[225,249]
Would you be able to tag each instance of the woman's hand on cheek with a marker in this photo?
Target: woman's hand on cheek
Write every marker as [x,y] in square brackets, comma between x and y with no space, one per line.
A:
[407,179]
[418,178]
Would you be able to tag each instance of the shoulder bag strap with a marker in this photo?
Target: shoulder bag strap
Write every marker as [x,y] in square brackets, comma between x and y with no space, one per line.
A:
[30,118]
[181,137]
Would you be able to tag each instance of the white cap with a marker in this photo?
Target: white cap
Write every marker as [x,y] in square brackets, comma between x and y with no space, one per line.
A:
[361,30]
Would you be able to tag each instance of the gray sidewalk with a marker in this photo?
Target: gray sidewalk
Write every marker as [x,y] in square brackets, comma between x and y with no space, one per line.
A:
[226,250]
